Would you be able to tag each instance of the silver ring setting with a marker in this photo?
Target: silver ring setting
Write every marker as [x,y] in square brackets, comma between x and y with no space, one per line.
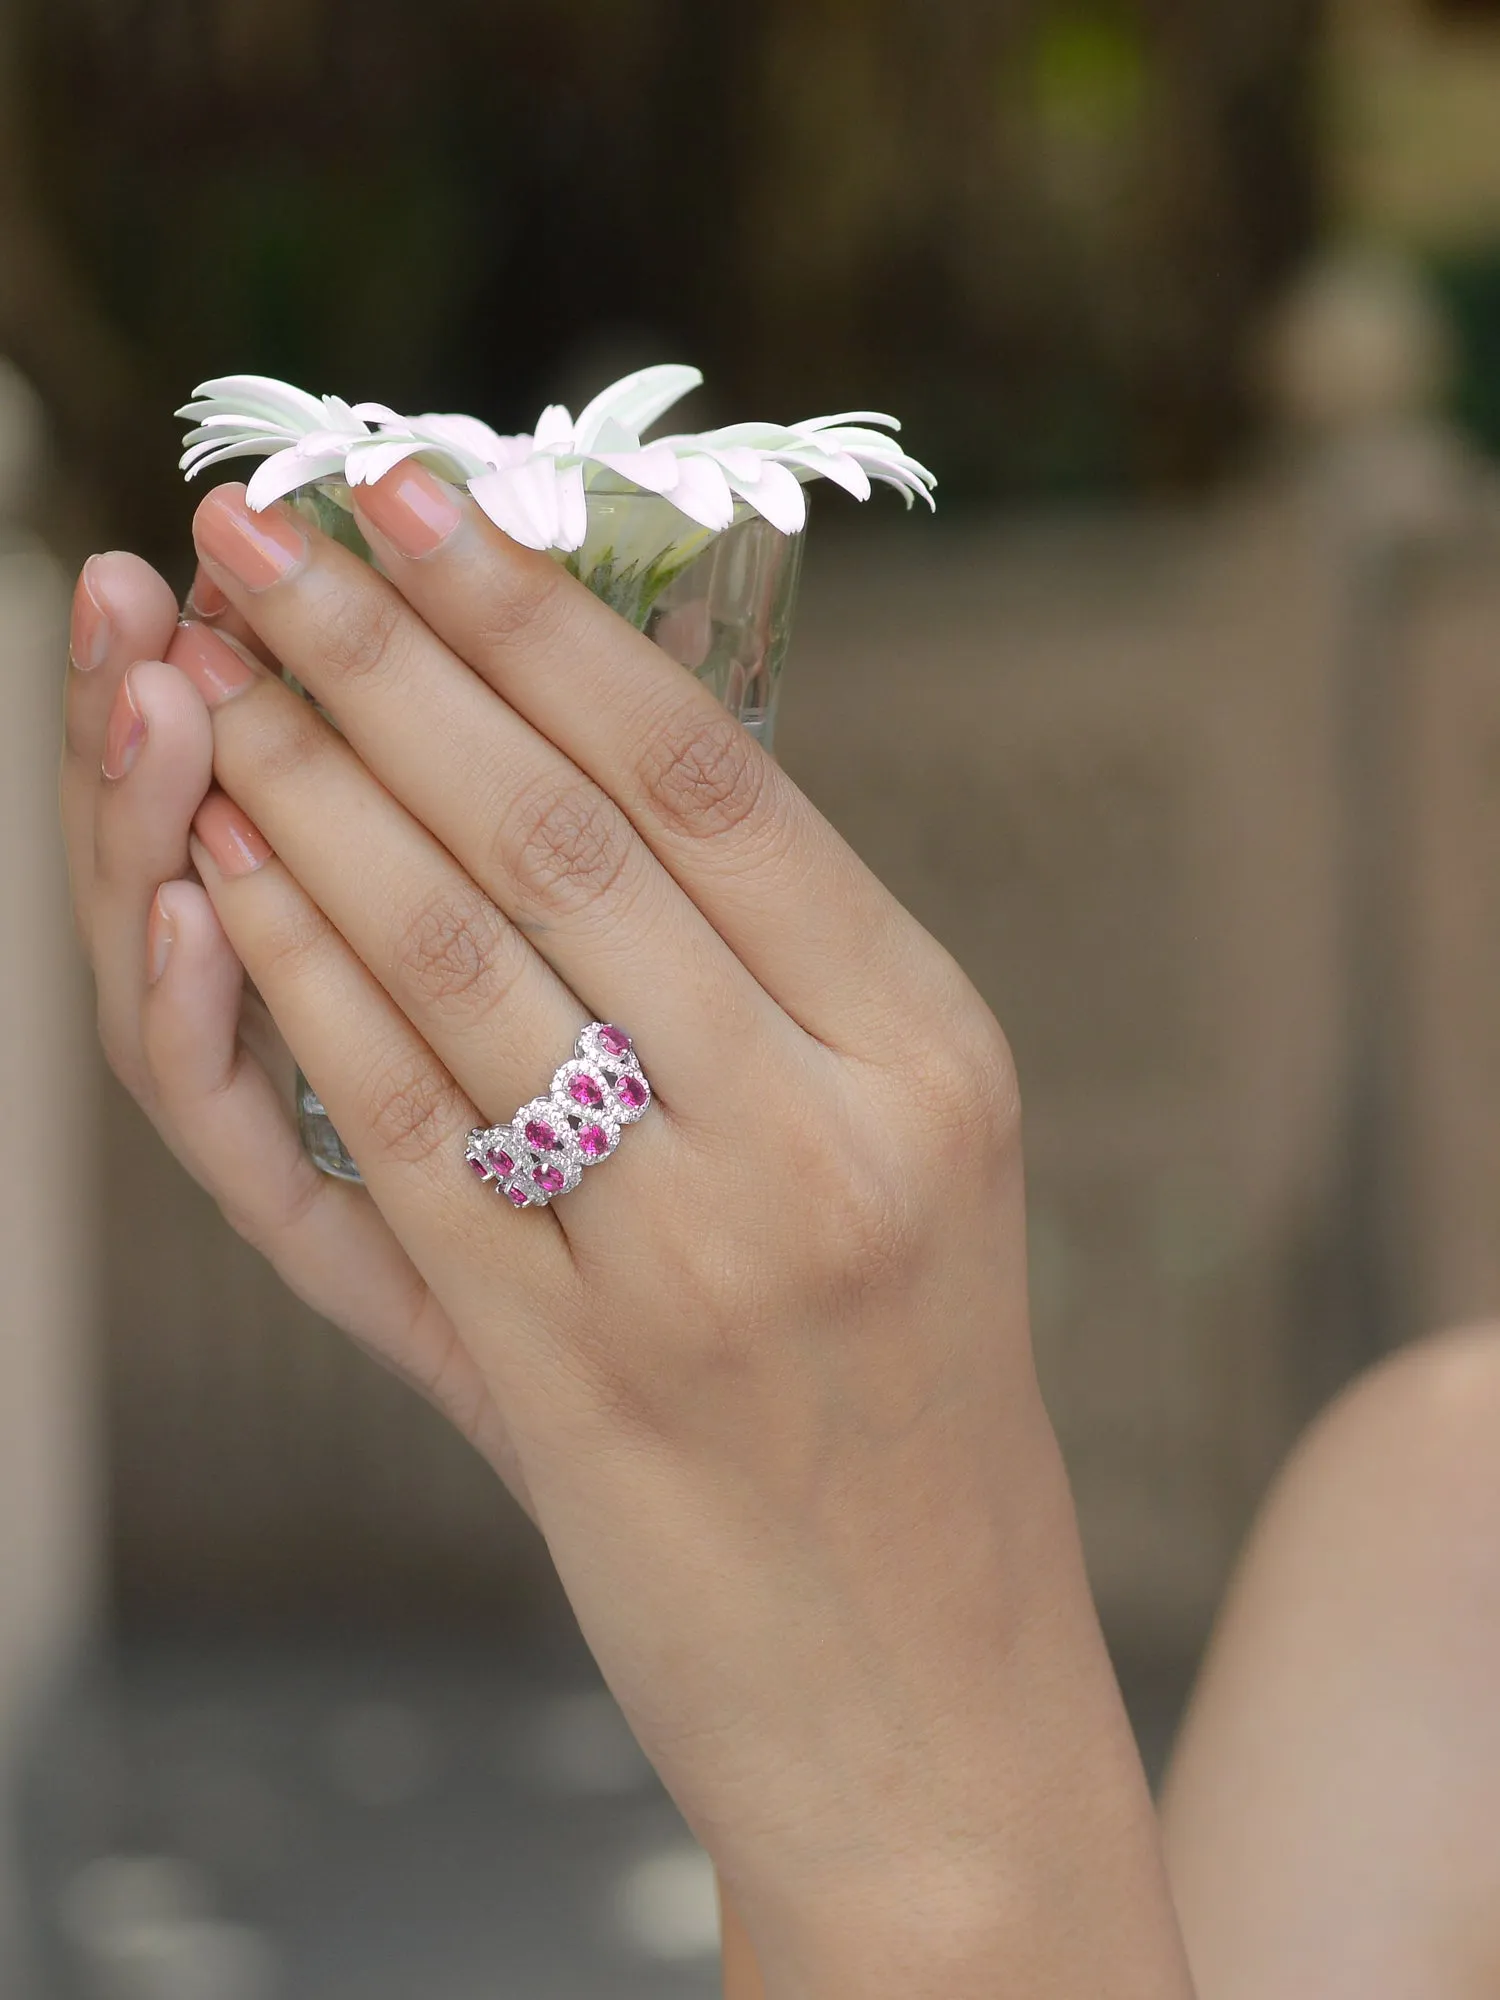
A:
[543,1151]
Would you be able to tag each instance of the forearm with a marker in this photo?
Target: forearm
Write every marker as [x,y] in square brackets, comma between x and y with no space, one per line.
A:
[1039,1871]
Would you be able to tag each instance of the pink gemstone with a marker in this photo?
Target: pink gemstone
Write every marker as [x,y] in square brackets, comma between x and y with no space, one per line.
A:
[541,1136]
[593,1142]
[584,1090]
[516,1197]
[500,1163]
[549,1179]
[615,1040]
[478,1166]
[632,1091]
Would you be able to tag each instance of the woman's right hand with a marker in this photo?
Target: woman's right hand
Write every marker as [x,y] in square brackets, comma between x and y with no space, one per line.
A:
[182,1029]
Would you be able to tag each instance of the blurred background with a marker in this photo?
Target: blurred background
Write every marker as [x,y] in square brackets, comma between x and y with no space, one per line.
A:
[1180,726]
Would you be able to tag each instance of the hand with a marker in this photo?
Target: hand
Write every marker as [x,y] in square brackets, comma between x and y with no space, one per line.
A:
[766,1374]
[198,1049]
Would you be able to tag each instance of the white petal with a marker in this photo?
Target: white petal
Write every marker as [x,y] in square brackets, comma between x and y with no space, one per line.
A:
[264,396]
[848,417]
[470,440]
[702,493]
[840,466]
[287,471]
[198,460]
[572,510]
[635,401]
[521,501]
[378,413]
[554,429]
[752,437]
[655,468]
[777,496]
[368,462]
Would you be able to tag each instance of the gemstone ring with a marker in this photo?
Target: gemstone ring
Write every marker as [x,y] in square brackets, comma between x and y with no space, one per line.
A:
[544,1149]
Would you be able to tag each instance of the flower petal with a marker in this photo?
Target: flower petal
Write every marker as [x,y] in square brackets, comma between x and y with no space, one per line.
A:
[572,510]
[554,428]
[470,440]
[840,466]
[635,401]
[368,462]
[702,492]
[522,501]
[287,471]
[653,467]
[264,396]
[776,495]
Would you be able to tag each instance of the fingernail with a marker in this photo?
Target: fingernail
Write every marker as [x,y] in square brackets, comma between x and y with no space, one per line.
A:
[89,643]
[161,935]
[415,512]
[205,599]
[256,549]
[235,845]
[124,733]
[215,665]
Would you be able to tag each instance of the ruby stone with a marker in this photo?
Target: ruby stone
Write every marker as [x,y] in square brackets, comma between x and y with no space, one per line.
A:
[615,1040]
[593,1142]
[500,1164]
[541,1136]
[516,1196]
[549,1179]
[631,1091]
[584,1090]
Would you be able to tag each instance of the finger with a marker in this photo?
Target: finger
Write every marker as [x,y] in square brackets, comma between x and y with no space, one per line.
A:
[155,766]
[230,1124]
[122,612]
[493,1010]
[543,842]
[206,604]
[794,902]
[398,1110]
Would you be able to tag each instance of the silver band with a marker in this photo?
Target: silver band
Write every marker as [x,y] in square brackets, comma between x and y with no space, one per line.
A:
[544,1149]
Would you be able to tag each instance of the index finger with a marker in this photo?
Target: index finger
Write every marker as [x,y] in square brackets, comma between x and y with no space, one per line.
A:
[785,891]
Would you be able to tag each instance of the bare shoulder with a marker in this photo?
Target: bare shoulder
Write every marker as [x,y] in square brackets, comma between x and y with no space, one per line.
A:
[1410,1451]
[1333,1811]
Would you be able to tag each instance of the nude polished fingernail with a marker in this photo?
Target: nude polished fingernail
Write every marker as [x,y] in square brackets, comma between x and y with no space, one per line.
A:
[415,512]
[235,844]
[205,599]
[88,645]
[256,549]
[215,665]
[124,733]
[161,935]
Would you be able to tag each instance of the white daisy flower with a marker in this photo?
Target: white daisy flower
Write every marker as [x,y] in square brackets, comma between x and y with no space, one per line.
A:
[535,485]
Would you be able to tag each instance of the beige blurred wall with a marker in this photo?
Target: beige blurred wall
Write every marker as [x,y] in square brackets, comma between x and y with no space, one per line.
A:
[50,1462]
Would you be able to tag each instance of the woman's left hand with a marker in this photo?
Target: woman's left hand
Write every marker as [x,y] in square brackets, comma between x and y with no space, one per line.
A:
[766,1373]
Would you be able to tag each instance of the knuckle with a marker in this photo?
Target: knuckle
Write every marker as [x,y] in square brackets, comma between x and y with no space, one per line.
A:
[458,950]
[412,1110]
[275,744]
[703,774]
[355,632]
[569,847]
[529,611]
[966,1086]
[287,950]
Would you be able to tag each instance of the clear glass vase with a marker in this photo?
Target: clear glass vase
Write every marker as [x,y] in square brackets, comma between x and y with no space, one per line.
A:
[720,603]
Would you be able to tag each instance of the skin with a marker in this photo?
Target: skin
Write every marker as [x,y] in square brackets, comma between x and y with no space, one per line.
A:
[796,1478]
[1331,1814]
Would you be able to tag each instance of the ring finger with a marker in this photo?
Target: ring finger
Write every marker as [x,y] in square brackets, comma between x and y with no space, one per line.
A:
[491,1009]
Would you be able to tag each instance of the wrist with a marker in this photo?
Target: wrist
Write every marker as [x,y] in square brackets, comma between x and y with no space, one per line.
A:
[1013,1848]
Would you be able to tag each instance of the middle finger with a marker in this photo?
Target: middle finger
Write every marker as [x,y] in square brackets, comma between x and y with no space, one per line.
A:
[542,840]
